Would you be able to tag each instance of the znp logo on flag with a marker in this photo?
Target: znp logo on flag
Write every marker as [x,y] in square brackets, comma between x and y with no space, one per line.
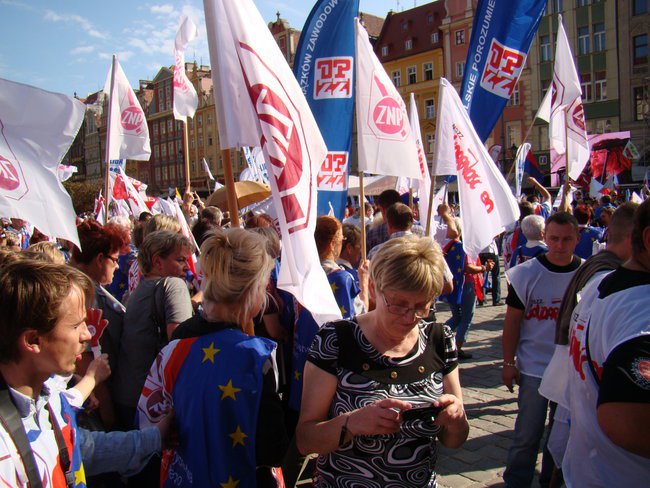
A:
[333,78]
[10,180]
[502,69]
[388,114]
[132,117]
[331,176]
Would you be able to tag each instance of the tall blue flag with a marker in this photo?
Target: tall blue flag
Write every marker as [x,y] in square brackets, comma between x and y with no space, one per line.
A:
[324,67]
[501,37]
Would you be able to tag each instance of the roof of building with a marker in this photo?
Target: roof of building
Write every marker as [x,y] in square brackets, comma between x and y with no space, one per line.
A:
[416,25]
[372,23]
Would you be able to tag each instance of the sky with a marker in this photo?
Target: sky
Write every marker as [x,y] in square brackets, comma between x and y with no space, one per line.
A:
[66,46]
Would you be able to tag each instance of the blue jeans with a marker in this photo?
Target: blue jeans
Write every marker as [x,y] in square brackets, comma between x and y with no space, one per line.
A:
[462,315]
[494,275]
[529,429]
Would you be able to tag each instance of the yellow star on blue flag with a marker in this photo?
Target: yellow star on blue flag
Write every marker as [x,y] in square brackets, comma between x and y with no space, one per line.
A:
[209,352]
[80,476]
[334,287]
[231,483]
[237,437]
[229,390]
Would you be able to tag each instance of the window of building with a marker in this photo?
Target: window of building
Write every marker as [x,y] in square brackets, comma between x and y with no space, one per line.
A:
[157,174]
[583,3]
[170,149]
[546,84]
[397,77]
[208,118]
[556,6]
[155,130]
[156,152]
[460,36]
[191,143]
[640,49]
[411,75]
[165,173]
[600,85]
[543,138]
[163,128]
[513,101]
[170,126]
[200,141]
[163,150]
[431,142]
[193,166]
[199,120]
[405,26]
[584,46]
[408,44]
[179,127]
[209,139]
[603,126]
[640,103]
[430,18]
[384,50]
[599,37]
[585,84]
[460,68]
[428,71]
[545,53]
[639,7]
[434,37]
[513,134]
[429,109]
[190,122]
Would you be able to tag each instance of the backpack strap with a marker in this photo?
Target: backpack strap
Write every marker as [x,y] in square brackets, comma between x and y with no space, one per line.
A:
[13,424]
[352,358]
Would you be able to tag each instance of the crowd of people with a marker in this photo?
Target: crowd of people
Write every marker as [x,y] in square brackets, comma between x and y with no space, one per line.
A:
[153,357]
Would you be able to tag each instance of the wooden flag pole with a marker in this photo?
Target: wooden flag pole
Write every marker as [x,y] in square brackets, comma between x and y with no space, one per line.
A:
[107,198]
[231,194]
[186,154]
[362,216]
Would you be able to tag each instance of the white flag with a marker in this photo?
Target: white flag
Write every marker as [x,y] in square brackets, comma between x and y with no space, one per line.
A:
[128,134]
[595,188]
[121,188]
[66,172]
[206,168]
[36,129]
[185,98]
[486,202]
[635,198]
[259,103]
[386,145]
[567,113]
[522,154]
[422,184]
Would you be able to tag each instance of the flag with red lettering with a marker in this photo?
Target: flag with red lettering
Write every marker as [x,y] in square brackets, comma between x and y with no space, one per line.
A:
[36,129]
[185,98]
[386,144]
[259,103]
[123,187]
[487,205]
[567,117]
[422,184]
[128,134]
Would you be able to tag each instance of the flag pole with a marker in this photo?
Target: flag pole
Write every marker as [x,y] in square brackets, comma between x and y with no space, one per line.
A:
[427,231]
[186,151]
[231,194]
[362,216]
[107,198]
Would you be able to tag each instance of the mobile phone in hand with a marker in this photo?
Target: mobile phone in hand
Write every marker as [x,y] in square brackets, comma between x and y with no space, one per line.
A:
[421,412]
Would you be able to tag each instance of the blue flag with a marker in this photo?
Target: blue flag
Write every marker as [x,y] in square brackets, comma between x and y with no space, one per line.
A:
[501,37]
[324,67]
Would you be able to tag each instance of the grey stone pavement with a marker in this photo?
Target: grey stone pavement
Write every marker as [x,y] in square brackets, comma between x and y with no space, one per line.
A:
[491,408]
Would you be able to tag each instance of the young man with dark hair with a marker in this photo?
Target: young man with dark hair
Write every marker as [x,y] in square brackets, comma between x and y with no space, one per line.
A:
[534,296]
[42,332]
[609,373]
[379,234]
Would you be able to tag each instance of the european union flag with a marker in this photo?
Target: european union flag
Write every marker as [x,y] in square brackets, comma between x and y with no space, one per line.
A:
[455,257]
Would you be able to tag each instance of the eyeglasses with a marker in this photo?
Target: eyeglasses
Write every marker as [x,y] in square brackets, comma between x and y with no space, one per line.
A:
[419,313]
[115,260]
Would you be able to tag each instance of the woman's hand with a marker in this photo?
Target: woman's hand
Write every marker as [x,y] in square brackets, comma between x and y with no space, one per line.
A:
[453,421]
[381,417]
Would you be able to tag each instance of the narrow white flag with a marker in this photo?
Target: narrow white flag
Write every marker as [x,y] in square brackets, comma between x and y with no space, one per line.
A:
[185,98]
[567,113]
[520,162]
[206,168]
[386,145]
[486,202]
[259,103]
[128,134]
[422,184]
[595,188]
[36,129]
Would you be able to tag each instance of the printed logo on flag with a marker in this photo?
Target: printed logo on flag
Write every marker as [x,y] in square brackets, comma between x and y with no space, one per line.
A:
[578,115]
[331,176]
[180,81]
[502,69]
[387,115]
[467,163]
[12,181]
[283,136]
[333,78]
[132,117]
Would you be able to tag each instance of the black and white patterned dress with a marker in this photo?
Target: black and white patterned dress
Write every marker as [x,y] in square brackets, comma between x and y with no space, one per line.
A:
[402,460]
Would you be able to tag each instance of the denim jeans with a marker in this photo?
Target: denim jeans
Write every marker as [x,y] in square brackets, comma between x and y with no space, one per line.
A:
[494,275]
[462,315]
[529,430]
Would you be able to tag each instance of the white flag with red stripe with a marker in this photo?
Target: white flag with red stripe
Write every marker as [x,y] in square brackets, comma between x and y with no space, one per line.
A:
[486,202]
[386,144]
[185,98]
[36,129]
[259,103]
[128,134]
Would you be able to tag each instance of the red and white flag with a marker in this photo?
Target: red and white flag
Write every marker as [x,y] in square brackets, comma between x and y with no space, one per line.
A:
[36,129]
[128,134]
[486,203]
[386,143]
[185,98]
[259,103]
[596,188]
[123,187]
[422,184]
[66,172]
[566,116]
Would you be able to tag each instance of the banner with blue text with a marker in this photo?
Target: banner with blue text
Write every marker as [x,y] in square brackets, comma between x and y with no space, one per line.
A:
[501,37]
[324,67]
